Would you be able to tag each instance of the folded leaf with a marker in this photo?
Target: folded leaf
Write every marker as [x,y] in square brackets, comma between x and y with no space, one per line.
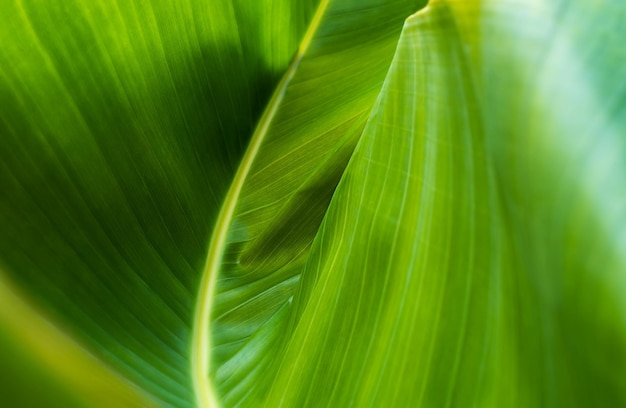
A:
[470,251]
[282,189]
[473,252]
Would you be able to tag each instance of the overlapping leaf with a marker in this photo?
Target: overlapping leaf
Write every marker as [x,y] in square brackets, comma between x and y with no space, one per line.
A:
[473,253]
[276,205]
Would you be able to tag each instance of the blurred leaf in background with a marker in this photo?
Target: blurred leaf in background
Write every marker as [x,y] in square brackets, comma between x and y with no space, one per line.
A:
[313,203]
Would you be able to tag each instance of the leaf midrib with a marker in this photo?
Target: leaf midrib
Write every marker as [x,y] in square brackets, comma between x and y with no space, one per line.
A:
[200,347]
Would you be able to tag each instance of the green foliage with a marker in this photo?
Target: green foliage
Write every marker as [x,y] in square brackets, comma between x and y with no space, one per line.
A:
[313,203]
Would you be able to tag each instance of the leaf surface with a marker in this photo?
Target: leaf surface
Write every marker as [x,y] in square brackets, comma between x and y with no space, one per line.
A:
[36,355]
[122,123]
[473,252]
[282,190]
[470,251]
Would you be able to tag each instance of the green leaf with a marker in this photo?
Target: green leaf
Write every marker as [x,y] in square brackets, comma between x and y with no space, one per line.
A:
[282,190]
[473,253]
[125,126]
[122,123]
[469,251]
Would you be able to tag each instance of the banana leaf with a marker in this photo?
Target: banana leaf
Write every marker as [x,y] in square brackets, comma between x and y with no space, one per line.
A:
[312,203]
